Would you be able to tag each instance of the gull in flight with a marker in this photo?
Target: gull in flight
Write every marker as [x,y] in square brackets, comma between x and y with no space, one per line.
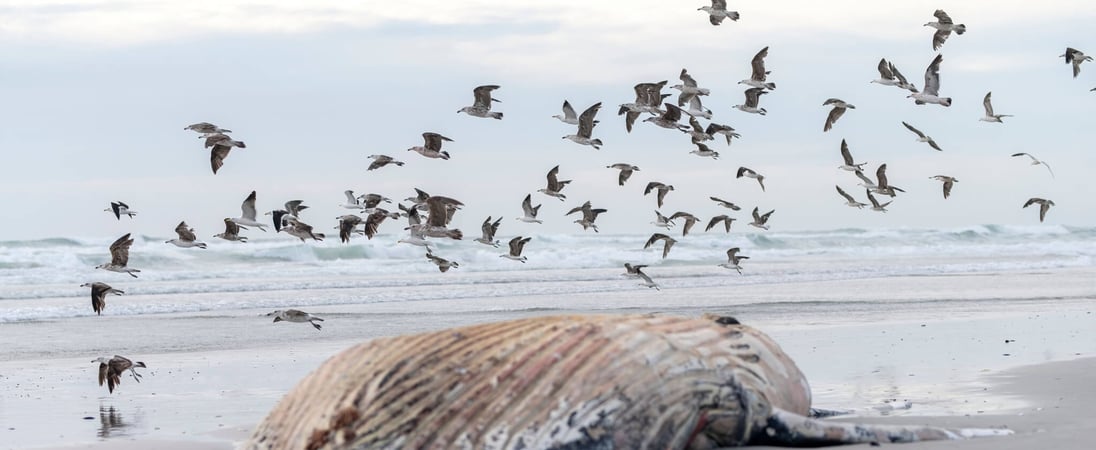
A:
[186,237]
[948,183]
[718,11]
[119,257]
[569,116]
[703,151]
[625,171]
[922,137]
[720,218]
[749,173]
[294,315]
[667,242]
[303,231]
[121,209]
[586,125]
[482,103]
[648,97]
[99,293]
[839,107]
[846,156]
[111,370]
[1036,162]
[688,87]
[647,281]
[753,95]
[554,185]
[875,206]
[725,203]
[347,225]
[517,244]
[432,146]
[931,94]
[944,26]
[630,270]
[669,118]
[489,229]
[990,116]
[589,215]
[849,200]
[1044,206]
[758,74]
[530,212]
[206,128]
[726,130]
[733,259]
[890,76]
[880,186]
[247,213]
[1075,57]
[443,264]
[690,220]
[661,188]
[761,220]
[232,232]
[381,161]
[662,221]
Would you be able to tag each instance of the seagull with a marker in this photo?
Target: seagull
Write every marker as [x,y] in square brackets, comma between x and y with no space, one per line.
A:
[625,171]
[749,173]
[432,146]
[206,128]
[1044,206]
[415,236]
[669,118]
[849,200]
[232,232]
[948,183]
[696,108]
[733,258]
[757,76]
[846,155]
[725,203]
[752,97]
[990,116]
[221,139]
[371,201]
[1036,162]
[720,218]
[697,133]
[119,256]
[569,117]
[489,229]
[931,93]
[516,246]
[586,125]
[381,161]
[111,370]
[441,210]
[661,188]
[419,199]
[352,201]
[761,220]
[688,86]
[247,216]
[121,209]
[944,26]
[300,230]
[186,237]
[632,271]
[718,11]
[890,76]
[1075,56]
[703,151]
[667,242]
[554,185]
[217,156]
[690,220]
[647,281]
[839,107]
[662,221]
[875,206]
[530,211]
[727,131]
[99,293]
[347,224]
[589,215]
[648,98]
[443,264]
[294,315]
[482,105]
[921,137]
[881,186]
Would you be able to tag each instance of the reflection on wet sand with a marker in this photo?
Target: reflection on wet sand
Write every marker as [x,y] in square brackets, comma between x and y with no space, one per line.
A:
[110,422]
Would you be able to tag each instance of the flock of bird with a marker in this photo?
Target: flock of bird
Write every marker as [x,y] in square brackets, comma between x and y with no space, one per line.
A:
[429,216]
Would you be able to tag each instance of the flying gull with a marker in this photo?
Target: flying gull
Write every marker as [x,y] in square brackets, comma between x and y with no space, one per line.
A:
[217,156]
[625,171]
[432,146]
[849,200]
[186,237]
[530,212]
[733,260]
[697,133]
[441,210]
[922,137]
[482,105]
[554,185]
[632,271]
[890,76]
[875,206]
[696,107]
[718,11]
[726,130]
[1036,162]
[381,161]
[586,125]
[221,139]
[443,264]
[667,242]
[761,220]
[589,215]
[489,229]
[944,26]
[119,256]
[206,128]
[703,151]
[99,293]
[661,188]
[647,281]
[688,86]
[948,183]
[301,230]
[352,201]
[758,74]
[880,186]
[121,209]
[753,95]
[725,203]
[232,232]
[1075,57]
[569,116]
[720,218]
[295,315]
[347,225]
[415,237]
[517,244]
[749,173]
[931,94]
[990,116]
[690,220]
[662,221]
[850,164]
[247,213]
[111,370]
[669,118]
[839,107]
[648,98]
[1044,206]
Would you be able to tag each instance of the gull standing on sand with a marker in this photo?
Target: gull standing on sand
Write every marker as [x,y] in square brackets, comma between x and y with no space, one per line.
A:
[381,161]
[718,11]
[569,116]
[753,95]
[432,146]
[99,293]
[931,94]
[625,171]
[1044,206]
[733,259]
[875,206]
[1075,57]
[662,221]
[232,232]
[944,26]
[761,220]
[1035,162]
[489,229]
[839,107]
[849,200]
[482,105]
[890,76]
[922,137]
[667,242]
[443,264]
[758,72]
[749,173]
[554,185]
[850,164]
[704,152]
[296,316]
[586,125]
[517,244]
[990,116]
[121,209]
[948,183]
[720,218]
[725,204]
[690,220]
[661,189]
[589,215]
[247,213]
[119,256]
[111,370]
[186,237]
[530,212]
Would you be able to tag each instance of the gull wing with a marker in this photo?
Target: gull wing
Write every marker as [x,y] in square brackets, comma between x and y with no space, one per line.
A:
[586,121]
[932,76]
[482,95]
[185,233]
[434,140]
[758,65]
[119,250]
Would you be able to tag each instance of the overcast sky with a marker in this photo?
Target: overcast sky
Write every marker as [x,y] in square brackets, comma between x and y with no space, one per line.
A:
[94,96]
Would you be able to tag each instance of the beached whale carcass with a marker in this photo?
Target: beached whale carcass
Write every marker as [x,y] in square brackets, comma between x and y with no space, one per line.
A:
[591,381]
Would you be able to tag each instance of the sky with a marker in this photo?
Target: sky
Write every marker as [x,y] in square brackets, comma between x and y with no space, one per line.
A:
[94,96]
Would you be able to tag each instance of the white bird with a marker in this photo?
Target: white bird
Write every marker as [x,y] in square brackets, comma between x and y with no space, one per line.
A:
[232,232]
[530,212]
[1044,206]
[586,125]
[648,97]
[696,108]
[121,209]
[296,316]
[625,171]
[381,161]
[944,26]
[662,221]
[667,243]
[890,76]
[111,370]
[875,206]
[1075,57]
[482,105]
[922,137]
[489,229]
[733,260]
[749,173]
[247,213]
[661,190]
[846,156]
[99,293]
[432,146]
[186,237]
[839,107]
[554,185]
[517,244]
[718,11]
[758,72]
[948,183]
[352,201]
[753,96]
[569,116]
[415,237]
[703,151]
[119,257]
[1036,162]
[881,185]
[990,116]
[668,119]
[688,86]
[849,200]
[761,220]
[589,215]
[931,94]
